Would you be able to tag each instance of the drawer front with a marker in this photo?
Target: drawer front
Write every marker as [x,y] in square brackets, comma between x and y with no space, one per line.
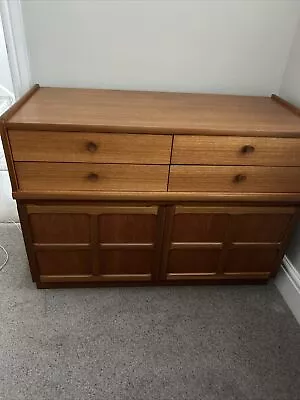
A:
[234,179]
[90,147]
[228,150]
[107,177]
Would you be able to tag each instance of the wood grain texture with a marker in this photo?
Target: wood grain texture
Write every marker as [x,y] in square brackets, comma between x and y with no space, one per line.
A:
[127,228]
[291,107]
[51,281]
[8,156]
[224,240]
[195,227]
[196,261]
[261,228]
[64,262]
[88,109]
[209,208]
[126,262]
[55,282]
[230,150]
[209,279]
[19,103]
[27,236]
[246,260]
[60,228]
[110,244]
[159,197]
[76,176]
[90,147]
[91,208]
[111,216]
[223,178]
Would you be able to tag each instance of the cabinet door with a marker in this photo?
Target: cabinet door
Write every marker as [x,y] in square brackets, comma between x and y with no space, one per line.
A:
[96,243]
[224,242]
[194,242]
[129,242]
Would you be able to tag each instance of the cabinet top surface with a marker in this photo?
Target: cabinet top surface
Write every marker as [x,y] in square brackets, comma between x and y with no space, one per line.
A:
[156,112]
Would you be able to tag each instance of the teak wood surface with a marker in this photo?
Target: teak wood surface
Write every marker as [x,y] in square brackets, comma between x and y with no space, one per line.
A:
[156,112]
[245,179]
[80,176]
[232,150]
[90,147]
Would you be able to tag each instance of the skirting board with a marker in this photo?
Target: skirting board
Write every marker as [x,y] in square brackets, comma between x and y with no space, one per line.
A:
[288,284]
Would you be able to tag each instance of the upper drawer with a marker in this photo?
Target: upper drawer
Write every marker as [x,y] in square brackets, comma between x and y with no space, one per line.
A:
[90,147]
[231,150]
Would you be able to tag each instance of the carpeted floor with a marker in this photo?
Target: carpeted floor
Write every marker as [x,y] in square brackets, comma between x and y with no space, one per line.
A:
[180,343]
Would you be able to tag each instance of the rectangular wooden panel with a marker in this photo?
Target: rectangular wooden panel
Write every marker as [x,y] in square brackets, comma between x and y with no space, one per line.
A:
[259,227]
[233,150]
[196,227]
[196,261]
[90,147]
[127,228]
[247,260]
[64,262]
[126,262]
[234,179]
[59,228]
[103,177]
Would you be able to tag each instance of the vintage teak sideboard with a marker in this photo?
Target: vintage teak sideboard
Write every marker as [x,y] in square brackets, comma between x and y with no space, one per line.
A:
[123,187]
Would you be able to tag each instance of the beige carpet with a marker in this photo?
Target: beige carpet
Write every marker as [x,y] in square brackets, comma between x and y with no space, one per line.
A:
[191,343]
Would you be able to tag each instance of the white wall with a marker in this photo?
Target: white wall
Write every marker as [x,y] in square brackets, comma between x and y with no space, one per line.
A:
[290,90]
[290,87]
[232,46]
[5,77]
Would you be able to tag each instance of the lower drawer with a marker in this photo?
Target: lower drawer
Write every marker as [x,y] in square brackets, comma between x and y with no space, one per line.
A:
[234,179]
[78,176]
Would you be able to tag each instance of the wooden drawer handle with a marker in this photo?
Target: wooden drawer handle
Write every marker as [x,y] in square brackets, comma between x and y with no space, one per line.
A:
[91,147]
[247,149]
[92,177]
[239,178]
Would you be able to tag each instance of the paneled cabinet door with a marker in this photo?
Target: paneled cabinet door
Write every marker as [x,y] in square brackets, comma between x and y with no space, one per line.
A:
[96,243]
[224,242]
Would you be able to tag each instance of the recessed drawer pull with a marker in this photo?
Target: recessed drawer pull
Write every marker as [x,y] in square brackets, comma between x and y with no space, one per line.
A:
[92,147]
[92,177]
[239,178]
[247,149]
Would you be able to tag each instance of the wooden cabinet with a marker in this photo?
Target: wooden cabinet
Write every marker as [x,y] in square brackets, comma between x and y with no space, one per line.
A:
[117,187]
